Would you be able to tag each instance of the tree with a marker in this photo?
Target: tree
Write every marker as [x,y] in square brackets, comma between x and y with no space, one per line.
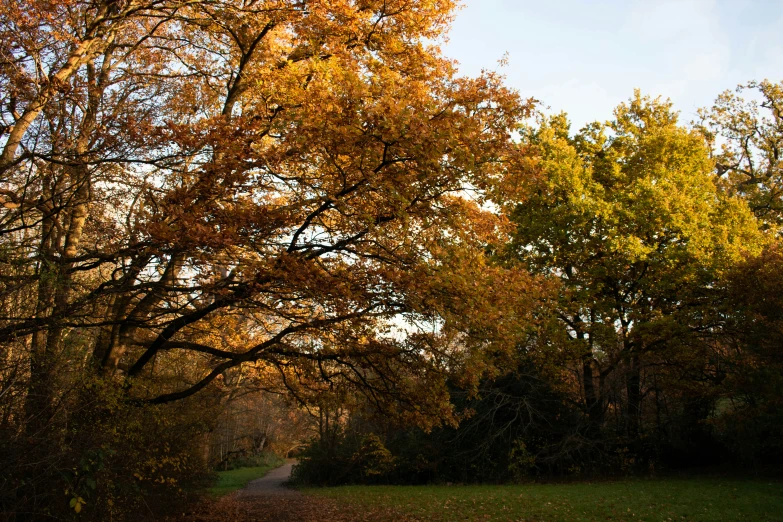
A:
[748,136]
[749,418]
[291,162]
[627,216]
[188,187]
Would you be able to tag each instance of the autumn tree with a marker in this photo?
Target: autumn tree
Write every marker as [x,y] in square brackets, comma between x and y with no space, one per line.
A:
[627,216]
[287,161]
[746,129]
[750,392]
[188,187]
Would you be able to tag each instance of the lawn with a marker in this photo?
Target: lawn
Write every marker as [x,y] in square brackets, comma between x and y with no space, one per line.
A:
[696,499]
[235,479]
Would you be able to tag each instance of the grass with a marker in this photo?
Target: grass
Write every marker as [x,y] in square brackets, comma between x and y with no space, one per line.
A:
[235,479]
[697,499]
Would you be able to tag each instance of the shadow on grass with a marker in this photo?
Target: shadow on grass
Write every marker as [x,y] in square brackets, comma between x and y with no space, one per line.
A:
[699,499]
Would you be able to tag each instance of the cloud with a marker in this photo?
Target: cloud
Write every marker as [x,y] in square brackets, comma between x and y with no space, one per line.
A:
[669,18]
[681,37]
[586,57]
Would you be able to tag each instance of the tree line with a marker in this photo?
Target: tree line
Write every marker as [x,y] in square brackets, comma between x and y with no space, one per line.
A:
[657,350]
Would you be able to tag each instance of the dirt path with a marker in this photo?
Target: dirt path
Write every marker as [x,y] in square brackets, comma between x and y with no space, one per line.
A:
[268,500]
[271,484]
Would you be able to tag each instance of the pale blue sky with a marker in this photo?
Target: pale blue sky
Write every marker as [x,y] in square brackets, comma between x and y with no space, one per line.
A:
[584,57]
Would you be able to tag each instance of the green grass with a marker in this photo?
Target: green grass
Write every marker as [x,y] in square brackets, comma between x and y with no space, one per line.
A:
[235,479]
[697,499]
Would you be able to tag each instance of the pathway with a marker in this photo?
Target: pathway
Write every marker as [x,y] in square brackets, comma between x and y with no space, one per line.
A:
[268,500]
[271,484]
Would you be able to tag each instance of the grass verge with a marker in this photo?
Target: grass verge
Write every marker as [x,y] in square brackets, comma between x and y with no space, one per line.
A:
[697,499]
[235,479]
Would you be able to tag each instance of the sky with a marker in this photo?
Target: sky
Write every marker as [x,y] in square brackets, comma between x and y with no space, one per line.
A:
[585,57]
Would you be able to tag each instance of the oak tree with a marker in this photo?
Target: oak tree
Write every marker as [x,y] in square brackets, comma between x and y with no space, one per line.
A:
[628,217]
[747,133]
[287,169]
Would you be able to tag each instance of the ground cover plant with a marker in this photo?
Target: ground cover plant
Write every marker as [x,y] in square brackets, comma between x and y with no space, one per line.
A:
[694,499]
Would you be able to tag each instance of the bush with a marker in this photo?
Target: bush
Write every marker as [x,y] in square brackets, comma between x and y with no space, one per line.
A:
[102,458]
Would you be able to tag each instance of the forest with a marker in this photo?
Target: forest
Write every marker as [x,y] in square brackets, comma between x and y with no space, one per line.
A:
[236,228]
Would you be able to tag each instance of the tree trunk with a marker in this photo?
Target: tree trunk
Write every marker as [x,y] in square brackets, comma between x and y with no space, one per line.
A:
[39,393]
[634,396]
